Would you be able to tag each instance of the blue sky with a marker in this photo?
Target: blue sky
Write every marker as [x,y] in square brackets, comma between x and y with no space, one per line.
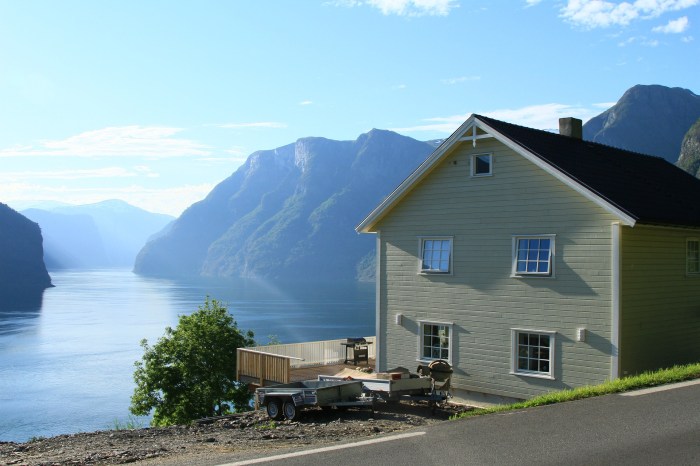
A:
[155,102]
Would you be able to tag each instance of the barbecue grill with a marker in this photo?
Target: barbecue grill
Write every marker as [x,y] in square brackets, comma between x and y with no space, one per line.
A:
[360,350]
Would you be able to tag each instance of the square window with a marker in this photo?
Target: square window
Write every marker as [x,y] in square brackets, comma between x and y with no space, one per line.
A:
[482,165]
[533,255]
[532,353]
[436,255]
[692,263]
[435,341]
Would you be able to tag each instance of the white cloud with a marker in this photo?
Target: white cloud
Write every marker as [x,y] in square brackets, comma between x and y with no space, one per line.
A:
[81,174]
[414,7]
[674,26]
[460,79]
[545,116]
[402,7]
[604,105]
[529,3]
[687,39]
[592,14]
[259,124]
[133,141]
[306,102]
[641,40]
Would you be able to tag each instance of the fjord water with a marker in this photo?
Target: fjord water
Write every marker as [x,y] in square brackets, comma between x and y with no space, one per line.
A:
[66,363]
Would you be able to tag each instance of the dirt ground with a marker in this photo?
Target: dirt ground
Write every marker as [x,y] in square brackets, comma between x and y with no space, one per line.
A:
[234,438]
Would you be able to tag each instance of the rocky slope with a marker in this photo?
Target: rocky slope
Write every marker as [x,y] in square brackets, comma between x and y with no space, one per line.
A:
[288,212]
[689,159]
[648,119]
[231,439]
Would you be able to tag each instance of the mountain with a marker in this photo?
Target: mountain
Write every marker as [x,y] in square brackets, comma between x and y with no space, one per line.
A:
[22,270]
[648,119]
[289,212]
[689,159]
[105,234]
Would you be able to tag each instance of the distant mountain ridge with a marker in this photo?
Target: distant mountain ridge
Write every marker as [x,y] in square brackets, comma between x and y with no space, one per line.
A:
[104,234]
[288,213]
[650,119]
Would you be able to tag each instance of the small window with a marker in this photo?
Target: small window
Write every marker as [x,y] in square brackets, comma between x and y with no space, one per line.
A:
[436,341]
[436,255]
[482,164]
[533,353]
[692,263]
[532,255]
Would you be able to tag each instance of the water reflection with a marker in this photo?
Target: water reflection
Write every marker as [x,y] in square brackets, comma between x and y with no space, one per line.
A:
[18,311]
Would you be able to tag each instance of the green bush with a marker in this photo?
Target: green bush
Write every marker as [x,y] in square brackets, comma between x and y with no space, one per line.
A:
[190,372]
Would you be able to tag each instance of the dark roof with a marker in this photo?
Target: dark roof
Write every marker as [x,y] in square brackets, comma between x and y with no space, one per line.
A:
[648,189]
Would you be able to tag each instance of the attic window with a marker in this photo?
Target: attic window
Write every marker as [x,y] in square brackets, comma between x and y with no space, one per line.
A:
[482,165]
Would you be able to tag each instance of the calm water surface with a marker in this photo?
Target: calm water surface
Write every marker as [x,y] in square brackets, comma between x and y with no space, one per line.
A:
[67,366]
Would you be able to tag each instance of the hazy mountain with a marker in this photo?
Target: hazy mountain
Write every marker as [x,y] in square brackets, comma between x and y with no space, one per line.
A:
[105,234]
[648,119]
[22,270]
[289,213]
[689,159]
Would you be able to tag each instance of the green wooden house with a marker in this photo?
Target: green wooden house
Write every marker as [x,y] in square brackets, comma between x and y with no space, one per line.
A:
[534,261]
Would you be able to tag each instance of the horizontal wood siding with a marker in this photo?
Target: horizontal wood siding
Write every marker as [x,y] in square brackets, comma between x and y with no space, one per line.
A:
[480,296]
[660,304]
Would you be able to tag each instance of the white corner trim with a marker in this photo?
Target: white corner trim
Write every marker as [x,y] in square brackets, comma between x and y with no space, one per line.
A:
[377,303]
[615,303]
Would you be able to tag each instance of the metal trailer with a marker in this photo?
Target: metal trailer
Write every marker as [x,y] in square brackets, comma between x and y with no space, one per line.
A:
[411,388]
[287,400]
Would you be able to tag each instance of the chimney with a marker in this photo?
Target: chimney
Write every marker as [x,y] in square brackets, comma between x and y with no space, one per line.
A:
[572,127]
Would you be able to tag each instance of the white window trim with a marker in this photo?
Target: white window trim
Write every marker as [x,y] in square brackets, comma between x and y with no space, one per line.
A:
[472,170]
[450,346]
[421,240]
[552,257]
[514,353]
[687,242]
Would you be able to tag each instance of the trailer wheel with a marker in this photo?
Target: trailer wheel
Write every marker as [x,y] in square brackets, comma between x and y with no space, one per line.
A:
[290,410]
[274,409]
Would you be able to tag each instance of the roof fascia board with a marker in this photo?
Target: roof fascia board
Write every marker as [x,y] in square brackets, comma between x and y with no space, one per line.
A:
[558,174]
[418,174]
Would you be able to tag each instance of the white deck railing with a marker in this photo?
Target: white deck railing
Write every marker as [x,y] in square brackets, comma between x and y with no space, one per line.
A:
[315,353]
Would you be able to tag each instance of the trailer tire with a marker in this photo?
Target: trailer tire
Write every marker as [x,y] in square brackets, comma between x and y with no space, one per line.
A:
[290,410]
[274,409]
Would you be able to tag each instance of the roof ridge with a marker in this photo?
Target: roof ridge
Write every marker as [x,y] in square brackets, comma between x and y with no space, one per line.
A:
[553,134]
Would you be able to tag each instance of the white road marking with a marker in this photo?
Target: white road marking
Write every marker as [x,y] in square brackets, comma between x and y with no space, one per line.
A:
[661,388]
[324,449]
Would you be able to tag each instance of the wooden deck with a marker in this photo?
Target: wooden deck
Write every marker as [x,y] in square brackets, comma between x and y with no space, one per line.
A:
[312,373]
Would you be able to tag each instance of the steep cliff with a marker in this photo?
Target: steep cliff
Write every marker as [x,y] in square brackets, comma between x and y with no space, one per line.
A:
[648,119]
[689,159]
[288,213]
[22,269]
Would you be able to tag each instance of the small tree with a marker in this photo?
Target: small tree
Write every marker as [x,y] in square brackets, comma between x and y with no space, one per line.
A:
[190,372]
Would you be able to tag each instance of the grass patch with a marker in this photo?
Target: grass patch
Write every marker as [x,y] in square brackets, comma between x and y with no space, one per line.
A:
[267,426]
[132,423]
[635,382]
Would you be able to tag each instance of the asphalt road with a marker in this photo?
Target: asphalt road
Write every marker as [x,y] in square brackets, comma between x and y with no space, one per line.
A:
[660,428]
